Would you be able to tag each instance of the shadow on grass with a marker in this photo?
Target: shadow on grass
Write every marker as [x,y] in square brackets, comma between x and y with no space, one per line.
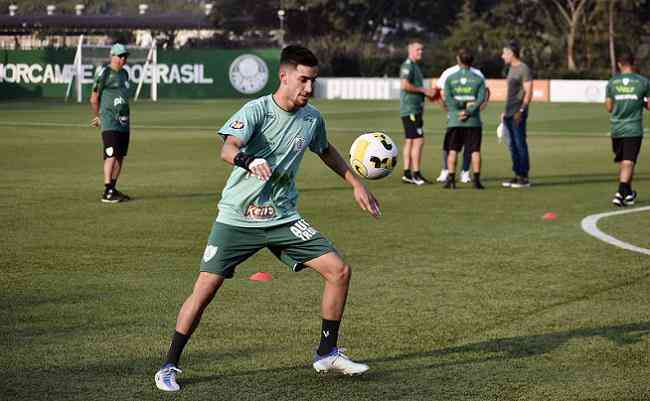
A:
[572,179]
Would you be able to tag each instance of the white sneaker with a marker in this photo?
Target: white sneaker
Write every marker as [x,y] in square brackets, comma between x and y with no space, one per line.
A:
[443,176]
[166,378]
[337,361]
[465,177]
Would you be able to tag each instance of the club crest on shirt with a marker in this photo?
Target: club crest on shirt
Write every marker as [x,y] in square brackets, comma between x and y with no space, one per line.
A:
[463,81]
[626,81]
[237,124]
[299,143]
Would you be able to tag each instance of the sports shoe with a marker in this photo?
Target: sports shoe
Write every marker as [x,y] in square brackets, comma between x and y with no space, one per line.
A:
[337,361]
[112,196]
[124,196]
[521,182]
[465,177]
[407,180]
[508,184]
[166,378]
[450,184]
[419,180]
[630,199]
[618,200]
[444,174]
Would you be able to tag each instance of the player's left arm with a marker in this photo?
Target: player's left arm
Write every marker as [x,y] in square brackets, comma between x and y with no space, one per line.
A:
[365,199]
[487,99]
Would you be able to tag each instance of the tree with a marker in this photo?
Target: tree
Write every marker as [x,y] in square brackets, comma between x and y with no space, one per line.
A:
[570,12]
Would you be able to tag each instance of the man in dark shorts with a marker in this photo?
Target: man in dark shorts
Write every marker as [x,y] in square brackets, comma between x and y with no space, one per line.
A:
[464,93]
[110,104]
[625,99]
[411,104]
[265,142]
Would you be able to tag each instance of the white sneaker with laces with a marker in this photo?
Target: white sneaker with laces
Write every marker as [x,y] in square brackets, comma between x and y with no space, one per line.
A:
[166,378]
[443,176]
[465,177]
[337,361]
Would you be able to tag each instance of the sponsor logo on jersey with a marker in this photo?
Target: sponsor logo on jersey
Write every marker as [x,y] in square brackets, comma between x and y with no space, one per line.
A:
[257,212]
[237,124]
[299,143]
[209,252]
[118,101]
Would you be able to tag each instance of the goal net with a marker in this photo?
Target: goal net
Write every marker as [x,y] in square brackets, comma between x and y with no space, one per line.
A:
[141,67]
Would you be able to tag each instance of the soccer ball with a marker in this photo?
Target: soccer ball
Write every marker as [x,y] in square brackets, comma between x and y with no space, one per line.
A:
[373,155]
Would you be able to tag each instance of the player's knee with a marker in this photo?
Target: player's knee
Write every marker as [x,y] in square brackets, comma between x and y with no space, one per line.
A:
[206,287]
[341,274]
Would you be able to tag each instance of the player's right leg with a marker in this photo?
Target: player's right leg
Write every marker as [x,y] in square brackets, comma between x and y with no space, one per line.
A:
[407,161]
[188,319]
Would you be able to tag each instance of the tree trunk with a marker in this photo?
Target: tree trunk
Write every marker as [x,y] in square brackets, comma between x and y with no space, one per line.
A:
[571,40]
[612,48]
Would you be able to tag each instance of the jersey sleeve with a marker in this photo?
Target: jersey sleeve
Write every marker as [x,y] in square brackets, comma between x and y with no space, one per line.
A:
[526,75]
[98,84]
[440,82]
[319,142]
[406,72]
[243,123]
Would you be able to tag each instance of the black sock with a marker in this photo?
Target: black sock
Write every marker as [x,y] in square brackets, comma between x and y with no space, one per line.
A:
[416,173]
[329,335]
[108,187]
[114,182]
[452,177]
[407,173]
[624,188]
[477,177]
[176,348]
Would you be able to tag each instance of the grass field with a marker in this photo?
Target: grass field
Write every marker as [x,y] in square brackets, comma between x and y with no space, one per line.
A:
[462,295]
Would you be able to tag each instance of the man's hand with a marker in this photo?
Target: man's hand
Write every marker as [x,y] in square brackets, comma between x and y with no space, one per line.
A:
[463,115]
[95,122]
[366,200]
[517,117]
[260,168]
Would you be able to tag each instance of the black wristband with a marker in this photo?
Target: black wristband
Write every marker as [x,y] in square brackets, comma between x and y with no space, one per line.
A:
[243,160]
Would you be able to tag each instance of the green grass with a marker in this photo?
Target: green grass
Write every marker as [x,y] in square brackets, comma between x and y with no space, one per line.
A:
[461,295]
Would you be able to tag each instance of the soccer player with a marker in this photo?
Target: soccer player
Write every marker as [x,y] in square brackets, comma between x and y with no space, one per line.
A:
[110,105]
[265,141]
[440,84]
[411,104]
[464,93]
[520,93]
[625,101]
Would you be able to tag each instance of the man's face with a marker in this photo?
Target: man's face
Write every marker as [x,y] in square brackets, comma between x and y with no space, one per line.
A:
[415,51]
[298,83]
[507,55]
[119,61]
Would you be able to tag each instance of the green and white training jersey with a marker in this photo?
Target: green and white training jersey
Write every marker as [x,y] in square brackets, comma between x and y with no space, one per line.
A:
[409,102]
[464,90]
[113,89]
[281,138]
[627,91]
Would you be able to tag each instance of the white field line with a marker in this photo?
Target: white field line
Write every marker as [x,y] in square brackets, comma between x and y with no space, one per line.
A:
[588,224]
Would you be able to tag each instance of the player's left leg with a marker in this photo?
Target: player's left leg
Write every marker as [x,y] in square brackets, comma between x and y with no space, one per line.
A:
[337,282]
[466,177]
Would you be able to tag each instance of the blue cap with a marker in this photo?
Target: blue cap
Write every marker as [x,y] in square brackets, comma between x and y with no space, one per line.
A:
[118,49]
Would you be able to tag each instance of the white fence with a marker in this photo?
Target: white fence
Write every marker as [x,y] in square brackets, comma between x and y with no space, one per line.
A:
[388,88]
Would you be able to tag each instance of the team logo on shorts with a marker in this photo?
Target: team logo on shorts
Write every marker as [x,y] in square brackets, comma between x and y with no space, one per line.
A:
[237,124]
[109,151]
[209,252]
[299,143]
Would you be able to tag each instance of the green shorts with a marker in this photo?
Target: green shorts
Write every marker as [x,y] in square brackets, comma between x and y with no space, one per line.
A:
[293,243]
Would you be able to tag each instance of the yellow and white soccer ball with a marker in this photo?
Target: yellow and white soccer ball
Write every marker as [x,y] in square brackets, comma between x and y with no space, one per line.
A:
[373,155]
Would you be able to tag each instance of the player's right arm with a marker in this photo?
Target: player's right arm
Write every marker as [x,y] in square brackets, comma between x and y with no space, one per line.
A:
[609,102]
[231,153]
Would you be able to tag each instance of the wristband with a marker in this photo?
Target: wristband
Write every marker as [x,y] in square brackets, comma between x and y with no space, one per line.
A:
[243,160]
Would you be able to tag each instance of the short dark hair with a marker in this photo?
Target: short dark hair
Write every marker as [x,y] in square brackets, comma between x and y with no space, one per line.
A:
[625,58]
[465,56]
[295,55]
[514,46]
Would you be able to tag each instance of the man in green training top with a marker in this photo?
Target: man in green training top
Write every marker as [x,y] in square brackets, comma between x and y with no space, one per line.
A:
[625,99]
[110,104]
[411,104]
[464,93]
[266,141]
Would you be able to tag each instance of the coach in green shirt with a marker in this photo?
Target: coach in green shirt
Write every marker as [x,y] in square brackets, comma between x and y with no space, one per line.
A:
[626,96]
[110,104]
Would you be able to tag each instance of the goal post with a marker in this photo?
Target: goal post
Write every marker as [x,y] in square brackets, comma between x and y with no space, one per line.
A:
[142,68]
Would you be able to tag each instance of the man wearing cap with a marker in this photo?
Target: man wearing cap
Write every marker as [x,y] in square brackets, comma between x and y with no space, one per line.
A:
[519,84]
[110,105]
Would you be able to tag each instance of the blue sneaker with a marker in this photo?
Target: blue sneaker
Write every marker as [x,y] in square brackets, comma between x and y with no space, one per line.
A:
[166,378]
[337,361]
